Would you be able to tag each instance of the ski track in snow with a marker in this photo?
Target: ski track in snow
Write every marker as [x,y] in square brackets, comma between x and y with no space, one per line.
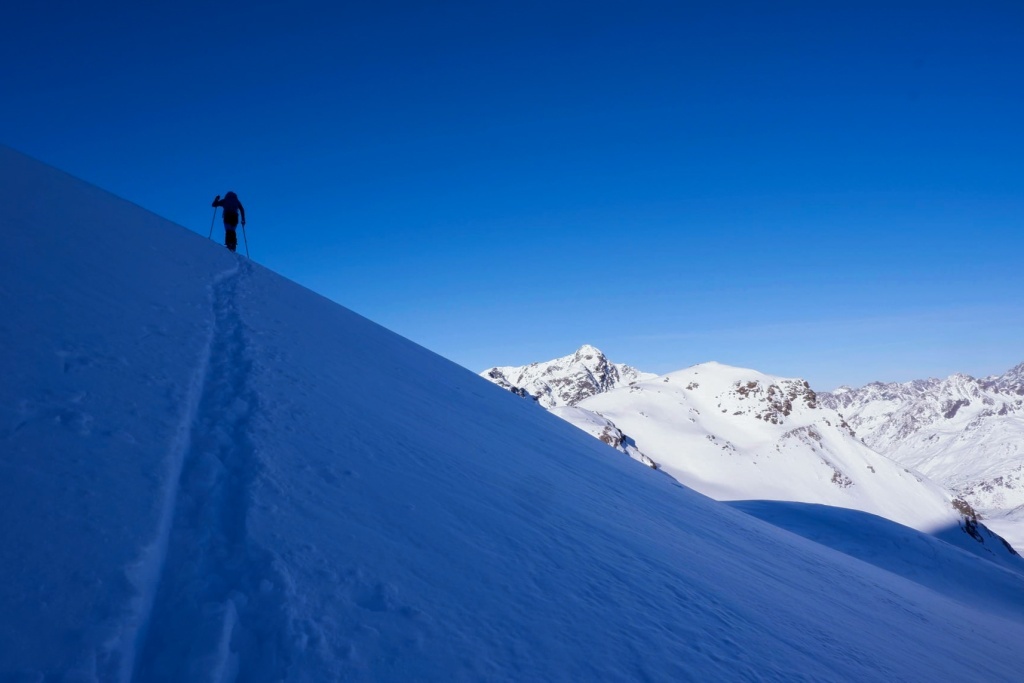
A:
[214,609]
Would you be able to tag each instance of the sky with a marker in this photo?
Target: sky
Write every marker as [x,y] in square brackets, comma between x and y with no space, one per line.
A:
[824,190]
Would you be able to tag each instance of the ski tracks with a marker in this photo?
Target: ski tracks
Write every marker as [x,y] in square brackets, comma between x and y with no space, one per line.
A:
[217,607]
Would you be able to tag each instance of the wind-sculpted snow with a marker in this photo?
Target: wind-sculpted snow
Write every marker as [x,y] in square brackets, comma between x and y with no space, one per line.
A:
[212,474]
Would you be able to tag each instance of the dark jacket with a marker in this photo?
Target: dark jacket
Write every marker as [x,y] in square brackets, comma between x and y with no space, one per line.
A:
[232,207]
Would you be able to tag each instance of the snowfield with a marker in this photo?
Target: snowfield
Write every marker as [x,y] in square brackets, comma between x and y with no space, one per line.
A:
[213,474]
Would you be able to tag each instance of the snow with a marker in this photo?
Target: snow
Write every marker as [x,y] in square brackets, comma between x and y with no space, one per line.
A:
[922,558]
[213,474]
[964,433]
[738,434]
[602,429]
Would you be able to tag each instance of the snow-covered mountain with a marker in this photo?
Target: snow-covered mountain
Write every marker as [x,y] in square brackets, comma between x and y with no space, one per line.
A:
[965,433]
[738,434]
[565,381]
[194,490]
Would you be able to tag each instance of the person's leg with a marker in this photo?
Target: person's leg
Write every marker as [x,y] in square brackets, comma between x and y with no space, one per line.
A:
[230,223]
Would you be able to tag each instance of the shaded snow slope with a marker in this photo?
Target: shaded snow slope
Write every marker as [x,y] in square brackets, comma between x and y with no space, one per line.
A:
[210,473]
[922,558]
[565,381]
[738,434]
[966,433]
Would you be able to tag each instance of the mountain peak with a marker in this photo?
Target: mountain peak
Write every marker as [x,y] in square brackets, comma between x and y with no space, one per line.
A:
[1012,381]
[567,380]
[587,351]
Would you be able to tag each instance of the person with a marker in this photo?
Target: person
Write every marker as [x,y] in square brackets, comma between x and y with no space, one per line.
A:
[232,208]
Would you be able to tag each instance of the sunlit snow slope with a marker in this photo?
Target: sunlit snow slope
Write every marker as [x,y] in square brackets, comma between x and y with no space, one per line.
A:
[211,474]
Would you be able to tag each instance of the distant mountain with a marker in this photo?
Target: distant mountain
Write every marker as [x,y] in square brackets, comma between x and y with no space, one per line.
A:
[736,434]
[965,433]
[568,380]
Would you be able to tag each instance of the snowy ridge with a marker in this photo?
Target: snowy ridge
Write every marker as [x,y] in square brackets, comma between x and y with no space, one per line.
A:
[376,513]
[966,433]
[565,381]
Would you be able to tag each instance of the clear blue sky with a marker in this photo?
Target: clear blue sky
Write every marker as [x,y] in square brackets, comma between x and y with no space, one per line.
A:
[821,189]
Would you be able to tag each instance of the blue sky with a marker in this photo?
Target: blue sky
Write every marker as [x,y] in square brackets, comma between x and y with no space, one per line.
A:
[826,190]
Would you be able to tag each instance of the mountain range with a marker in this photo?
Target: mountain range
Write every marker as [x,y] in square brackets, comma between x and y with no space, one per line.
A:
[965,433]
[737,434]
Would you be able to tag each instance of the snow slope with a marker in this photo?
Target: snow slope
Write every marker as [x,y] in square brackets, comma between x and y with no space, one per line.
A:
[966,433]
[213,474]
[922,558]
[602,429]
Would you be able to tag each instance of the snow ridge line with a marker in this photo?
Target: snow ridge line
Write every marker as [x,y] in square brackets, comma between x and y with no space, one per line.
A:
[146,574]
[218,612]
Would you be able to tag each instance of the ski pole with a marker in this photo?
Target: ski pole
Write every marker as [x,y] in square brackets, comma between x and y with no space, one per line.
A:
[246,240]
[212,221]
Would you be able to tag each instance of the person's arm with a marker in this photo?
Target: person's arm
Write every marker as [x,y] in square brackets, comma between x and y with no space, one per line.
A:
[216,201]
[241,209]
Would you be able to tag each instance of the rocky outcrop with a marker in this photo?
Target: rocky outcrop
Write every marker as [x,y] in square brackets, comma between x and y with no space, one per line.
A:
[775,401]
